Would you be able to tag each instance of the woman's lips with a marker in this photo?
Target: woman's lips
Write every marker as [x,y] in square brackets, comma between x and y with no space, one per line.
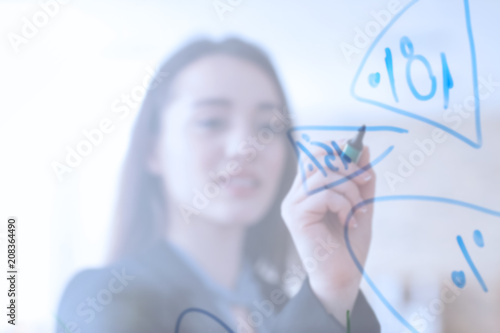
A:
[243,185]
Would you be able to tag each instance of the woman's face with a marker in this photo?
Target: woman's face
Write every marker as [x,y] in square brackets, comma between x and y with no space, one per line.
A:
[221,150]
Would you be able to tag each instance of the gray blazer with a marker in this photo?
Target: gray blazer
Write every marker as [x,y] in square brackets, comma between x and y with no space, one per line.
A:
[157,291]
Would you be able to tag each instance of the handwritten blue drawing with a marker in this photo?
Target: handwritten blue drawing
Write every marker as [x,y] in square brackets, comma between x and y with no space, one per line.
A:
[409,52]
[307,160]
[206,313]
[459,276]
[374,79]
[478,238]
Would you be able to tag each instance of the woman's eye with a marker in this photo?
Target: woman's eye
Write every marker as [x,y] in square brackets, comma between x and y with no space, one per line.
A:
[212,123]
[264,126]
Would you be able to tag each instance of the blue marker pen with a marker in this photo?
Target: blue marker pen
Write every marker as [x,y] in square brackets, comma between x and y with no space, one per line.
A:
[354,146]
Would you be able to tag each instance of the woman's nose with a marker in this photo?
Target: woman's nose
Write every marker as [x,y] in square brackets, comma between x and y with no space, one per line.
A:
[241,137]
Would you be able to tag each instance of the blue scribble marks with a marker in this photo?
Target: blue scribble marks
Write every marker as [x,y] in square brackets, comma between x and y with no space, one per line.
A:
[408,52]
[478,239]
[458,278]
[447,80]
[374,79]
[390,72]
[311,157]
[416,79]
[332,158]
[329,157]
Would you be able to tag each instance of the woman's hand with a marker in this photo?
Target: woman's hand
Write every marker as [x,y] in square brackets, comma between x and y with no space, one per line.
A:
[321,217]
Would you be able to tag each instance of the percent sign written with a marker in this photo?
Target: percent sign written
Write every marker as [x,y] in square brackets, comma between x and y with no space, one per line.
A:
[459,277]
[329,157]
[408,52]
[334,158]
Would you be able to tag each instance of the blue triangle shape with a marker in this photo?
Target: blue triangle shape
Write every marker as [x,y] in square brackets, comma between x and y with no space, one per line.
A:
[447,82]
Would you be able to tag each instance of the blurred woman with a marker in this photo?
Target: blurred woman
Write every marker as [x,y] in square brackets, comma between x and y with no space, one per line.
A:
[210,208]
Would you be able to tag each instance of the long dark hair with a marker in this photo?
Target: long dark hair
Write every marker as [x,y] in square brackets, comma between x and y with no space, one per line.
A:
[140,209]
